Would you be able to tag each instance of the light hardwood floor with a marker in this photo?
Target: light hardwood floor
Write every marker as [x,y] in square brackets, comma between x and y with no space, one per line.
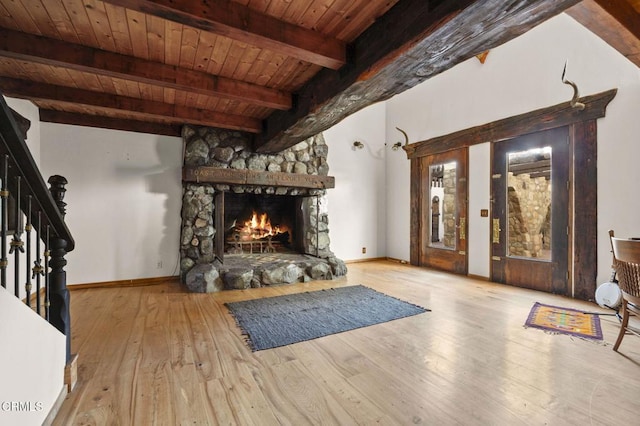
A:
[157,355]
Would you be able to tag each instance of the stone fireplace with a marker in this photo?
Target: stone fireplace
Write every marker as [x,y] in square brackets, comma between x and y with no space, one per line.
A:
[250,219]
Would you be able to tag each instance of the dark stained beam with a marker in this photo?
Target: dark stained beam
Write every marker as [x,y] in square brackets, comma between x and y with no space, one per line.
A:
[624,13]
[412,42]
[231,19]
[60,117]
[602,23]
[203,174]
[42,50]
[42,91]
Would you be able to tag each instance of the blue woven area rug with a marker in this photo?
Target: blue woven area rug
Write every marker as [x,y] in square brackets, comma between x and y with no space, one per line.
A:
[283,320]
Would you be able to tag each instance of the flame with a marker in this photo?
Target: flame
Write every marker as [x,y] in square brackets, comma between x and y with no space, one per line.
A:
[259,226]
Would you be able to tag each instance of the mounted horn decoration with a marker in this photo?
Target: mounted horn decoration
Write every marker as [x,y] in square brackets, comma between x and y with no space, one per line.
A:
[397,145]
[574,101]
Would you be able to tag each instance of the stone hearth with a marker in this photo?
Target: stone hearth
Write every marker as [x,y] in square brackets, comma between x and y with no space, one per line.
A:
[206,263]
[242,271]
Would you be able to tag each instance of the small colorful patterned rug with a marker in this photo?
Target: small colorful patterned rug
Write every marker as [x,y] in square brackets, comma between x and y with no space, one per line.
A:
[564,321]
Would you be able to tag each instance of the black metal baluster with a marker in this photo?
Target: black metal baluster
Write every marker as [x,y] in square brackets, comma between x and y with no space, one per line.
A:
[17,246]
[38,270]
[27,229]
[47,303]
[4,194]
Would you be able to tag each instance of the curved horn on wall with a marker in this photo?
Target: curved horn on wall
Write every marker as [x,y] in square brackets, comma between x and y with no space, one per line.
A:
[397,145]
[574,100]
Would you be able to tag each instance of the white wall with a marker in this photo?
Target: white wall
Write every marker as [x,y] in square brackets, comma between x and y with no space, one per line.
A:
[356,205]
[29,111]
[519,77]
[31,364]
[124,198]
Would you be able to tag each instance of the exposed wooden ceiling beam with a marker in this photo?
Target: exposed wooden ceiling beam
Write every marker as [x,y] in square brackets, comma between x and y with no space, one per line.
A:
[624,13]
[51,116]
[619,27]
[48,51]
[42,91]
[231,19]
[419,42]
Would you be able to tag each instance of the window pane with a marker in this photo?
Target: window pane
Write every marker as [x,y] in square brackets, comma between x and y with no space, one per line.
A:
[529,203]
[442,193]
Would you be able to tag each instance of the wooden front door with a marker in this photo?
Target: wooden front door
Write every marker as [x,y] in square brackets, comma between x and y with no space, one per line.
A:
[443,224]
[530,196]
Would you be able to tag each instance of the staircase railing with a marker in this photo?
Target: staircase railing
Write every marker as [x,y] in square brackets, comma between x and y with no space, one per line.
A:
[28,207]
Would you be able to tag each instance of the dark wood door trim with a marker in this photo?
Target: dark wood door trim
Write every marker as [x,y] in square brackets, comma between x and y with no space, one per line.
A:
[584,137]
[542,119]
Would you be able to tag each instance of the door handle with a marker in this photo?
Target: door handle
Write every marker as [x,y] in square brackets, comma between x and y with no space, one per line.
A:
[463,232]
[496,231]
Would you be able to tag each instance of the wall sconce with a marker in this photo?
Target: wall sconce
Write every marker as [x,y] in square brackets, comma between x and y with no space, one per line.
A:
[358,145]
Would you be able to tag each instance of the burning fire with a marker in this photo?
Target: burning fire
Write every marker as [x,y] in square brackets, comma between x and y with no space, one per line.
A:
[259,226]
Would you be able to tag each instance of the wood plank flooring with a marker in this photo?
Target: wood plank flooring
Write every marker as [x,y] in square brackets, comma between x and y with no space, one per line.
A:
[157,355]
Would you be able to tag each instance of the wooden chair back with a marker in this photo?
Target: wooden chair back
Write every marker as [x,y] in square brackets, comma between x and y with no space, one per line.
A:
[626,255]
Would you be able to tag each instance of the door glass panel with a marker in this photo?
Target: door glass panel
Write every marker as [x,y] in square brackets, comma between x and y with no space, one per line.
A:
[442,218]
[529,203]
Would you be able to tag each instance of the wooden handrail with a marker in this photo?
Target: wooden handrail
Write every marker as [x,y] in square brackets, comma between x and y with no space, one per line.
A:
[21,163]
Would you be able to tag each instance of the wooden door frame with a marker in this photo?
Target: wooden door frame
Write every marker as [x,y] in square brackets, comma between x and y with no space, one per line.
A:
[583,148]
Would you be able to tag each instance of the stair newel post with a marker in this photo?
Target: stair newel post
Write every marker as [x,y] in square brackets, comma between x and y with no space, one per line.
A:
[59,315]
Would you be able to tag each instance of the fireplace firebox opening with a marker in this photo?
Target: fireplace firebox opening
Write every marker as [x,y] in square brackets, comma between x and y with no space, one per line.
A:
[262,223]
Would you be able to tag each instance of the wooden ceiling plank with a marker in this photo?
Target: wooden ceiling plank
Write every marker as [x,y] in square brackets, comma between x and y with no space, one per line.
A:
[343,16]
[61,21]
[155,38]
[240,23]
[50,116]
[363,18]
[189,47]
[172,42]
[137,24]
[204,51]
[246,63]
[259,72]
[276,8]
[315,13]
[6,20]
[100,22]
[624,13]
[47,92]
[117,18]
[169,96]
[107,84]
[233,58]
[295,11]
[81,23]
[425,42]
[20,17]
[220,51]
[42,24]
[157,93]
[54,52]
